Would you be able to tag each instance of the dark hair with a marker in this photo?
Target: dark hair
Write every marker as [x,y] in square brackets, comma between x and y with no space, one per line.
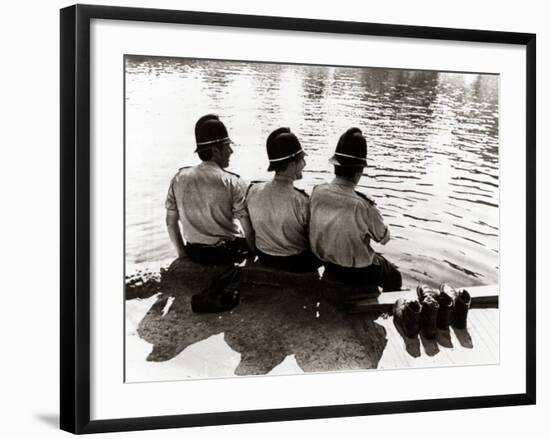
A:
[283,164]
[205,154]
[347,172]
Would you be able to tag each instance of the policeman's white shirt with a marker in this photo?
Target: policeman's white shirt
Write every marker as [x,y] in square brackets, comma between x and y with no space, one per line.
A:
[342,224]
[209,202]
[279,214]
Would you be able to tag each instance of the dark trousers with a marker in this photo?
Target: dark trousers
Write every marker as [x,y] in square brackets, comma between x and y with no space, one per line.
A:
[300,263]
[380,273]
[225,252]
[222,256]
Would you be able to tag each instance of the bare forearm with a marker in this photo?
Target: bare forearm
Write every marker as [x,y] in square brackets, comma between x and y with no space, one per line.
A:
[172,225]
[175,237]
[386,237]
[248,233]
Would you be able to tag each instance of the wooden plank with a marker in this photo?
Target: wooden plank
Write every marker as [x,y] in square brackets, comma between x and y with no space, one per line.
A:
[478,322]
[184,273]
[483,339]
[478,344]
[397,345]
[485,296]
[483,325]
[493,321]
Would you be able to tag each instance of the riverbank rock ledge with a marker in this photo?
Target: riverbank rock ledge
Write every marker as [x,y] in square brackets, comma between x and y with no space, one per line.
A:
[187,277]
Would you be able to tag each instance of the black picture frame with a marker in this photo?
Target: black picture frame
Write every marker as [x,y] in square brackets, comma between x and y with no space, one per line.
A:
[75,217]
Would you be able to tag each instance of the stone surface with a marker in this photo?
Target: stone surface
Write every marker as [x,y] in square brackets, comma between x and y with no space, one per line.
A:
[283,322]
[268,325]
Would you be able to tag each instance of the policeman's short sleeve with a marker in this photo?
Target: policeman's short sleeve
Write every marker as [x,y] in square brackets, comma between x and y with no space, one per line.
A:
[373,222]
[238,192]
[170,202]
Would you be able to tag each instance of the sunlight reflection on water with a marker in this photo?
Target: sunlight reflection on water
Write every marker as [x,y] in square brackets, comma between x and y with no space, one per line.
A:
[432,139]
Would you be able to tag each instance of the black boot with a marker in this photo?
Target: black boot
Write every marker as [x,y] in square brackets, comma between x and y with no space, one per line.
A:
[445,300]
[406,314]
[428,317]
[462,301]
[429,299]
[424,291]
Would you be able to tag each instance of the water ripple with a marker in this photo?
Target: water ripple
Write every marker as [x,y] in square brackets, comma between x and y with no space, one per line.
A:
[432,138]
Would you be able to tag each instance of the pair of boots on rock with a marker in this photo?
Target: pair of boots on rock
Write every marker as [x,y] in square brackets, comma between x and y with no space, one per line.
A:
[433,310]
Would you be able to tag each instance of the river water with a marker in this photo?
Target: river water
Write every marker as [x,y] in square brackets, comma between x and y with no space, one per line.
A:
[432,139]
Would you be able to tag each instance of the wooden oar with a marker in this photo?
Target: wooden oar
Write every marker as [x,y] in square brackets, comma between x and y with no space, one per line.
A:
[485,296]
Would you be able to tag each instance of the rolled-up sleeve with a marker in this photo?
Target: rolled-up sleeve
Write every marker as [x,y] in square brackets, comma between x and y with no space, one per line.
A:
[374,223]
[238,192]
[170,202]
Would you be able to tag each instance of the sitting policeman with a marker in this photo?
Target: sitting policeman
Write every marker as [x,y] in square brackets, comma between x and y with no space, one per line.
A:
[207,200]
[343,222]
[278,211]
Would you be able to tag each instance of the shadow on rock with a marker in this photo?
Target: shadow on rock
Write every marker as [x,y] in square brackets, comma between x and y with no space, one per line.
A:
[430,346]
[464,338]
[412,344]
[444,338]
[373,337]
[268,325]
[273,324]
[170,326]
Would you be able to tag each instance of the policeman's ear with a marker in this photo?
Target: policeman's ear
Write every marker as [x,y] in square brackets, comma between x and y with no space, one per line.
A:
[216,151]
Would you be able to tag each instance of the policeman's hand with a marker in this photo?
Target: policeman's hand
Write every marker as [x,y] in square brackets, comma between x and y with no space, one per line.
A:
[181,255]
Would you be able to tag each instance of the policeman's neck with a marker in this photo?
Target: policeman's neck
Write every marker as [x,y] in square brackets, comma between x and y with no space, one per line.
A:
[288,174]
[350,177]
[219,162]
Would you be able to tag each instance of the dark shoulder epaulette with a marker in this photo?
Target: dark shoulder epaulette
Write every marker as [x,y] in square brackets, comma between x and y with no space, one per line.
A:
[252,183]
[183,167]
[362,195]
[303,192]
[232,173]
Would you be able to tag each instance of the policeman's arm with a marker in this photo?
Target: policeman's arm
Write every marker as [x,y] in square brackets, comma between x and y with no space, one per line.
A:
[174,232]
[248,233]
[374,224]
[386,236]
[240,211]
[379,231]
